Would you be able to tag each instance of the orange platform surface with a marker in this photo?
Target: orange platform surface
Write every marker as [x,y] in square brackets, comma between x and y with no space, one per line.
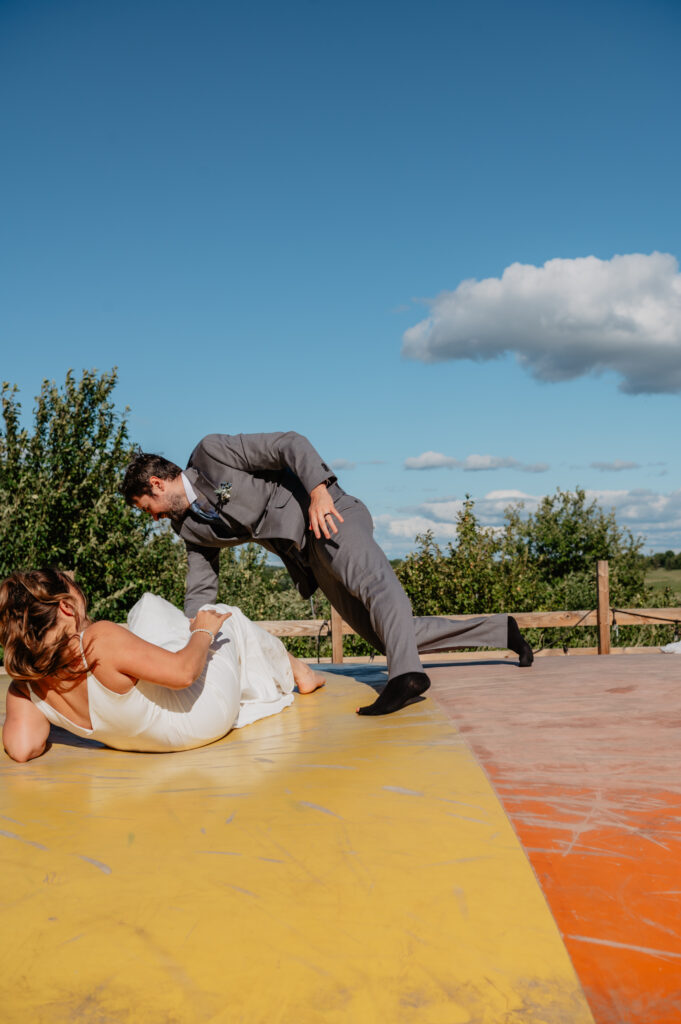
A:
[585,755]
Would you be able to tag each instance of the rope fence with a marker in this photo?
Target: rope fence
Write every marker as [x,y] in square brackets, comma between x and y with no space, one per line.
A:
[604,617]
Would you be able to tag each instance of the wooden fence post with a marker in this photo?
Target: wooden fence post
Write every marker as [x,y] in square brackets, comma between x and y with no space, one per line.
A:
[603,608]
[336,637]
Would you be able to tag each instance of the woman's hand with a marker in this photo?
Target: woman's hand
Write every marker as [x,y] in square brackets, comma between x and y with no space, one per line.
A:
[208,618]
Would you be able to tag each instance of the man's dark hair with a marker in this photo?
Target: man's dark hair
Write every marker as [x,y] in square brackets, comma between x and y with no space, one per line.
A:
[144,465]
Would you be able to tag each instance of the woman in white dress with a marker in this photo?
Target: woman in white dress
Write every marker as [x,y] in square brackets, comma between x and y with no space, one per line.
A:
[164,683]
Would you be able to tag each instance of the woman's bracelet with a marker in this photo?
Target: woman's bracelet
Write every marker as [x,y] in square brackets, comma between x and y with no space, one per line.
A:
[211,635]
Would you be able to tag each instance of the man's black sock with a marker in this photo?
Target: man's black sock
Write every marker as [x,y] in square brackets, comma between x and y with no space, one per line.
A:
[516,642]
[397,693]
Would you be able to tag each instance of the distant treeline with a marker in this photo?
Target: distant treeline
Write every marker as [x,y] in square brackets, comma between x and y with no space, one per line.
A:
[662,560]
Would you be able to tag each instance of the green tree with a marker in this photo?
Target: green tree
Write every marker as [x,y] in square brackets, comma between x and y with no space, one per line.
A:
[59,500]
[568,534]
[460,580]
[267,592]
[247,581]
[545,560]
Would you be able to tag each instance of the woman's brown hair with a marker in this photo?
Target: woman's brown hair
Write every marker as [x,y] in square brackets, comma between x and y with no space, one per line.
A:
[29,602]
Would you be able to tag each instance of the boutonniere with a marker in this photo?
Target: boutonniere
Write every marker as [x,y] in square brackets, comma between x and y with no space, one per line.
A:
[222,494]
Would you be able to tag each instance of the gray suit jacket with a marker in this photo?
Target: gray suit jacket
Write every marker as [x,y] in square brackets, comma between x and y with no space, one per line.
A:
[271,476]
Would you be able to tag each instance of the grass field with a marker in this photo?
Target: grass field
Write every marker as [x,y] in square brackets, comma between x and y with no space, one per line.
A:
[661,578]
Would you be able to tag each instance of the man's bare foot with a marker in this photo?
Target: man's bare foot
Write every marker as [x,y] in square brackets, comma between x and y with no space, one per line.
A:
[306,679]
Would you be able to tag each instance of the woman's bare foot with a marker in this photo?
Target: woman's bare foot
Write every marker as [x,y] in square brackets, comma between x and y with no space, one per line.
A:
[306,679]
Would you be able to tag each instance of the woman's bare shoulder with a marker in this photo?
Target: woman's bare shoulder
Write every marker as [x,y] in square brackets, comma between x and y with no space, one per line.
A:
[105,628]
[105,636]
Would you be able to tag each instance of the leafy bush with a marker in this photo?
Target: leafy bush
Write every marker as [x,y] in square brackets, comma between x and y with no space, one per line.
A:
[543,561]
[266,592]
[59,500]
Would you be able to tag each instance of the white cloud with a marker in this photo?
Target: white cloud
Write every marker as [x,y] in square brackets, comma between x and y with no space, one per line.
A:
[478,463]
[471,464]
[638,504]
[615,467]
[649,514]
[442,511]
[431,460]
[566,319]
[342,464]
[489,510]
[510,496]
[407,528]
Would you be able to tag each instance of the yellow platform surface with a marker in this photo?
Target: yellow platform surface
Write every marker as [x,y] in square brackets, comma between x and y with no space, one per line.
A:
[313,867]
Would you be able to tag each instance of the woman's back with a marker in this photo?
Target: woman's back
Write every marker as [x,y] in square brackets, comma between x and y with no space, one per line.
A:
[247,676]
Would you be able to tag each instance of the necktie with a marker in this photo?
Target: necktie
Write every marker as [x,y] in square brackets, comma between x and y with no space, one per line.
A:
[207,515]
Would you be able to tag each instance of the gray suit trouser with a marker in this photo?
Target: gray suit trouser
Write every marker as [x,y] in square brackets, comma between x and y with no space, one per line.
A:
[354,573]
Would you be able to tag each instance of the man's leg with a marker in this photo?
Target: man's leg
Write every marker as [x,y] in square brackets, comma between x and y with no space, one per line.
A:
[358,579]
[443,634]
[381,606]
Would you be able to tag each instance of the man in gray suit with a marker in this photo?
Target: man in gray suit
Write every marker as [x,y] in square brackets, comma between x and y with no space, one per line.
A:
[276,490]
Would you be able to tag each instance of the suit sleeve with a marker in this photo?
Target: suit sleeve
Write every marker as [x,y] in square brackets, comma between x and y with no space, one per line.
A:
[202,578]
[254,452]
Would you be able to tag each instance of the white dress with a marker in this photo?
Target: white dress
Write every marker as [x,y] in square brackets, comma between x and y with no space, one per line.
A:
[247,676]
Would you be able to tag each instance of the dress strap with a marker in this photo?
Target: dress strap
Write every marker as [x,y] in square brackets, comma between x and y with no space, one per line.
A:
[82,652]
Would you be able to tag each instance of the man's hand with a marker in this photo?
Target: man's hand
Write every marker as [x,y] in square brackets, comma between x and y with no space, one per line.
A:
[322,511]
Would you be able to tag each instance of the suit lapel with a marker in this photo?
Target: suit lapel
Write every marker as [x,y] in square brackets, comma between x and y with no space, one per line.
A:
[207,499]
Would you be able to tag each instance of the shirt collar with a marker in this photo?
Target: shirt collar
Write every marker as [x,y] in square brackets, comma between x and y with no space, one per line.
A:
[188,489]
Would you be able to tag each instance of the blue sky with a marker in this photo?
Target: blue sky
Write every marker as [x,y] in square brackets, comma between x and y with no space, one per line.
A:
[246,207]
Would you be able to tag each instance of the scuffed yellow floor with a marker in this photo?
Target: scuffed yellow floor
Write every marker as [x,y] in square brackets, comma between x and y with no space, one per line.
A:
[314,867]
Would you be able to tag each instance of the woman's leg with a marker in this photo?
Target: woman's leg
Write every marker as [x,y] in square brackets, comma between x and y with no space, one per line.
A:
[306,679]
